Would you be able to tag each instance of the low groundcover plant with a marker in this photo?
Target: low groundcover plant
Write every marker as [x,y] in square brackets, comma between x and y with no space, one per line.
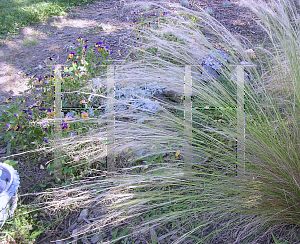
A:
[202,201]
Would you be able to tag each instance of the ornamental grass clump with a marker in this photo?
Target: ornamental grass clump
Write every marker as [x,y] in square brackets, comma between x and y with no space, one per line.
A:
[213,195]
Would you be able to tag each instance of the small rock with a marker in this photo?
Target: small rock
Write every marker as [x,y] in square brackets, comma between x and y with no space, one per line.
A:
[85,241]
[74,235]
[226,4]
[184,3]
[95,238]
[209,10]
[84,213]
[146,7]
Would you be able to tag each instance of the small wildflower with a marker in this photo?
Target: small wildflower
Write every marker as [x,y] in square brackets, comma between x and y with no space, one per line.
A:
[16,128]
[79,39]
[119,51]
[100,49]
[45,140]
[98,44]
[33,106]
[16,115]
[72,134]
[64,125]
[107,47]
[8,127]
[84,115]
[177,153]
[8,100]
[110,52]
[29,118]
[45,124]
[71,55]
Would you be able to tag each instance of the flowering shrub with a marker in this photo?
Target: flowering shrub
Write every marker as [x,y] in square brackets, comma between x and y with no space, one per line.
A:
[25,127]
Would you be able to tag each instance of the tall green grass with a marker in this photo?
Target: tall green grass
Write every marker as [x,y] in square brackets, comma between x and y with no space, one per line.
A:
[17,14]
[202,201]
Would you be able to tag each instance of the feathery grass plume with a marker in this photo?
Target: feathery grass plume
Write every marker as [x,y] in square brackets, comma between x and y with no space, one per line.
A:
[201,201]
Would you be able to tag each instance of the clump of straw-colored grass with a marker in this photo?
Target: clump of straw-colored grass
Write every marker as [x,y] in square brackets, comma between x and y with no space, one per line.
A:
[203,201]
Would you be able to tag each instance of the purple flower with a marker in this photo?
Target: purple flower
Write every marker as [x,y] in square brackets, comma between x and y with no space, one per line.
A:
[72,134]
[85,46]
[40,79]
[45,140]
[45,82]
[16,115]
[25,111]
[29,118]
[111,52]
[45,124]
[98,44]
[107,47]
[7,125]
[42,109]
[30,113]
[49,110]
[86,40]
[64,125]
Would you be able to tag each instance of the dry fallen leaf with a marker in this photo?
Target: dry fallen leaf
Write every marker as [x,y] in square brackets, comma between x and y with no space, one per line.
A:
[238,22]
[251,54]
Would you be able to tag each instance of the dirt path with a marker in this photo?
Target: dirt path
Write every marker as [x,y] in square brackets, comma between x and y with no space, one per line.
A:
[107,21]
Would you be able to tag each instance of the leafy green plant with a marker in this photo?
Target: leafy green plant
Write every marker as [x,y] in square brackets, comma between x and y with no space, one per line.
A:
[30,42]
[18,14]
[24,227]
[17,130]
